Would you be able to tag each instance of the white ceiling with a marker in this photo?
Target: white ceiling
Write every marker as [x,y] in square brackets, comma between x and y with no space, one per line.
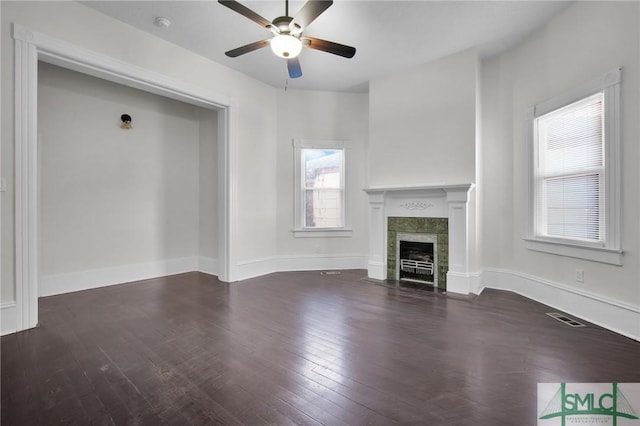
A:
[388,35]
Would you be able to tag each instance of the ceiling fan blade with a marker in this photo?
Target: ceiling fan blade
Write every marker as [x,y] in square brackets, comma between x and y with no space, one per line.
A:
[293,65]
[310,11]
[246,48]
[246,12]
[329,46]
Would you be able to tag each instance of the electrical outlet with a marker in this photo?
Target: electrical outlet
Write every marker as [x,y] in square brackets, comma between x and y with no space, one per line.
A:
[580,275]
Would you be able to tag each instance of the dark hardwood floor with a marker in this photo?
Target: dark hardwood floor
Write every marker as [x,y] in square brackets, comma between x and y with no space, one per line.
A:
[295,348]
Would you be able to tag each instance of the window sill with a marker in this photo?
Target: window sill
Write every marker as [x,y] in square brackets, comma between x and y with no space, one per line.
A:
[323,233]
[596,254]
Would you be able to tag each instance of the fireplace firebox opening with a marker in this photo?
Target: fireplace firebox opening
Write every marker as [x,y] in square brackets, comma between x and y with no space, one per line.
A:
[417,258]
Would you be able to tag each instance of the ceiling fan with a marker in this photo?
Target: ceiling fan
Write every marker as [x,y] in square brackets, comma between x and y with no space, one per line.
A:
[287,41]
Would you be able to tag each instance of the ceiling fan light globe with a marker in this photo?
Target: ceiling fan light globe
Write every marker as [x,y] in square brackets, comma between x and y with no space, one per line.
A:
[286,46]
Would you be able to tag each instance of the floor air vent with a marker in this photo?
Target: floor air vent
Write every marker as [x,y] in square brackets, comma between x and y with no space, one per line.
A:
[565,319]
[330,273]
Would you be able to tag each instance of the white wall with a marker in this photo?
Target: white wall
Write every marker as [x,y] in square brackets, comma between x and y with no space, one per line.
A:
[322,116]
[253,131]
[582,43]
[208,170]
[422,123]
[113,197]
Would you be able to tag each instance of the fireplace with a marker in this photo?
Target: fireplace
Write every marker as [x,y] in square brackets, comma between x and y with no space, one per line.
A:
[417,258]
[440,214]
[418,239]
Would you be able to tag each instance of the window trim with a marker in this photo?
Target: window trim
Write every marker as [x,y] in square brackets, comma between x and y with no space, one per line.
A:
[299,230]
[610,251]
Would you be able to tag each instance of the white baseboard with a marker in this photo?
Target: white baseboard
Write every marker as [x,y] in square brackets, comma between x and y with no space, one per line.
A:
[256,267]
[458,282]
[321,262]
[50,285]
[208,265]
[318,262]
[8,318]
[377,270]
[614,315]
[475,282]
[463,283]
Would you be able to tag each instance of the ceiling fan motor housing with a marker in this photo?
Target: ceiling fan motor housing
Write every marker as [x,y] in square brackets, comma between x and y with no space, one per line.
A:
[283,25]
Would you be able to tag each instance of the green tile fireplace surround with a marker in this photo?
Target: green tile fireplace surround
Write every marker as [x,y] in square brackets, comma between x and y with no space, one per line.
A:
[419,225]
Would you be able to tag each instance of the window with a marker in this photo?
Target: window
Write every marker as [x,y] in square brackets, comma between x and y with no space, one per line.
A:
[574,188]
[321,169]
[570,170]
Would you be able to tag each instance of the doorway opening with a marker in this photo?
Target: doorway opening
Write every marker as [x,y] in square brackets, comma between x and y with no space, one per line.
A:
[32,47]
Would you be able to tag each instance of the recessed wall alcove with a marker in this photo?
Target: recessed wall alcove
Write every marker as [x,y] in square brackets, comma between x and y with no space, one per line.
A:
[32,47]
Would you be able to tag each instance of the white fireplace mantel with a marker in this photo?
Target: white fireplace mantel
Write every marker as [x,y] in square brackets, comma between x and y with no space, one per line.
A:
[450,201]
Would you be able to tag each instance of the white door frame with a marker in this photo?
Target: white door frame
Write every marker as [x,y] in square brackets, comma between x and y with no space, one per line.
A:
[31,47]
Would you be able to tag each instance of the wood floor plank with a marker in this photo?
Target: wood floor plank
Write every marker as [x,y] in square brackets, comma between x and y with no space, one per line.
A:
[295,348]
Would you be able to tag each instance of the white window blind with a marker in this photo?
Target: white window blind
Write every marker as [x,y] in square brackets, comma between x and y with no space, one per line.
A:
[570,171]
